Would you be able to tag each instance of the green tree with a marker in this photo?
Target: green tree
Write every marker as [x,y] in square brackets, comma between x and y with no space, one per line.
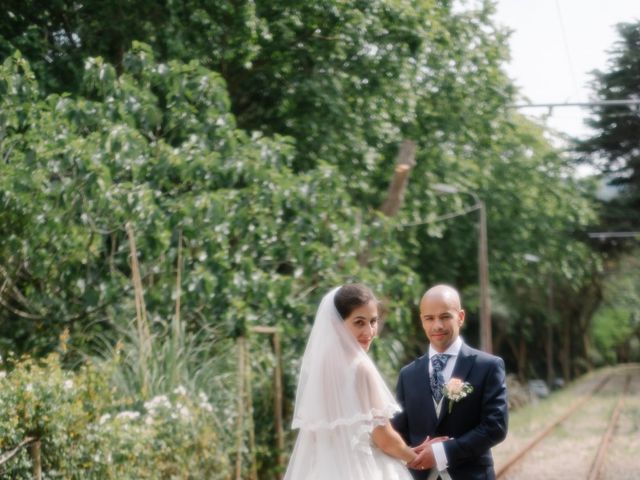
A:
[345,82]
[614,146]
[616,326]
[154,155]
[249,147]
[157,147]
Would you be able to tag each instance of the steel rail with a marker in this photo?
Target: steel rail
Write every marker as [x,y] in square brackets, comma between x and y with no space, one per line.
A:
[598,461]
[520,454]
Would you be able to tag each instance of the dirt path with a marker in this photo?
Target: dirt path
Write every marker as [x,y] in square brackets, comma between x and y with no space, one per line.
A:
[569,450]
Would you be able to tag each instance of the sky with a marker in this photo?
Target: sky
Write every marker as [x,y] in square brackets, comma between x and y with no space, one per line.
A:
[555,45]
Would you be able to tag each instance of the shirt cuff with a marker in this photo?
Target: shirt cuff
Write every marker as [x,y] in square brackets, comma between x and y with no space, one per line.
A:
[441,457]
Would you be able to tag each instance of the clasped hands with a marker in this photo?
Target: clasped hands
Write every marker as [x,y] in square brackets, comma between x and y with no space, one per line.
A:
[425,458]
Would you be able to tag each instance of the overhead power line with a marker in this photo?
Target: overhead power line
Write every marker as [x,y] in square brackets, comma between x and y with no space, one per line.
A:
[566,47]
[597,103]
[605,235]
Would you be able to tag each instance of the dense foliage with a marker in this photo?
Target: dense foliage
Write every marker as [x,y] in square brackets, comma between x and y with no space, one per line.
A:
[90,431]
[616,323]
[613,148]
[158,148]
[154,153]
[162,198]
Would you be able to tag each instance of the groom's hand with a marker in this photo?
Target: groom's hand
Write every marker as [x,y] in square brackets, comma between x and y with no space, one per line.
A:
[425,459]
[428,441]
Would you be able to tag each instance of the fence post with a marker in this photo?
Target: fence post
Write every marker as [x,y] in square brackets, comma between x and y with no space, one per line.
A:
[36,461]
[241,405]
[277,373]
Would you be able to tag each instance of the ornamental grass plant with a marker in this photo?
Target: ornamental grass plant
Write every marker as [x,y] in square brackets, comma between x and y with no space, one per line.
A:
[90,428]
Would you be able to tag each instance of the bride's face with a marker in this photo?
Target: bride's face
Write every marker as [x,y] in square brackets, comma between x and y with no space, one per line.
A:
[362,323]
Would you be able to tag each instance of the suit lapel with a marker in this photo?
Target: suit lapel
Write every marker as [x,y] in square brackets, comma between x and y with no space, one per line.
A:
[461,370]
[464,362]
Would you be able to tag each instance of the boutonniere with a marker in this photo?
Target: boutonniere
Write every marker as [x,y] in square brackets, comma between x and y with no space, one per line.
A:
[456,390]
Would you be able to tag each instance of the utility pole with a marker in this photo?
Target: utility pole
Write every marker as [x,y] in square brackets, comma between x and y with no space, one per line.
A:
[486,340]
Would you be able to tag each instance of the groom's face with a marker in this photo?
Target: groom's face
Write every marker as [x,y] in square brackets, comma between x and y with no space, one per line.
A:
[441,322]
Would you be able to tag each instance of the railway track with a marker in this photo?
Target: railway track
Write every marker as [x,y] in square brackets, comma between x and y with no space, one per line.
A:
[577,442]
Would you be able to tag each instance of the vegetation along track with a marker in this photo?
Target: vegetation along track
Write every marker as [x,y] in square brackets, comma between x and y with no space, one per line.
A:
[595,438]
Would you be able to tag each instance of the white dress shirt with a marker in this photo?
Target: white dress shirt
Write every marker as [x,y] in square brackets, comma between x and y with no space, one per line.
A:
[438,449]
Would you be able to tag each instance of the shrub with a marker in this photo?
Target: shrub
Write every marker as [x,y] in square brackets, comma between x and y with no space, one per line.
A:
[89,431]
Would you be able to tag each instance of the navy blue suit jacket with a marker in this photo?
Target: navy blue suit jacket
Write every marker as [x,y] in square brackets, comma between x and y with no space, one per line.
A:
[476,422]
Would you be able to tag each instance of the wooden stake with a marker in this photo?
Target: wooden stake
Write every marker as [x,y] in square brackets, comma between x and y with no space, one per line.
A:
[36,460]
[249,405]
[240,426]
[176,327]
[277,404]
[278,395]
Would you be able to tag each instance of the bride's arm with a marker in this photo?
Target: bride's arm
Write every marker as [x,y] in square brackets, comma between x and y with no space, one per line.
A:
[391,443]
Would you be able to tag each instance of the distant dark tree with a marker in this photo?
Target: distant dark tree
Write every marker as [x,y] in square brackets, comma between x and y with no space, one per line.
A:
[615,147]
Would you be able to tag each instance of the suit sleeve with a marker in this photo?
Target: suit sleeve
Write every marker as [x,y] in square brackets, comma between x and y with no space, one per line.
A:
[399,421]
[492,428]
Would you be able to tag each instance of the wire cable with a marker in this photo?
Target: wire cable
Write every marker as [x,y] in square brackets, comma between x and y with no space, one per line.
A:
[566,49]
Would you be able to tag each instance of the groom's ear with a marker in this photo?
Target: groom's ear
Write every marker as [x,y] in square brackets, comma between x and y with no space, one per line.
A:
[461,317]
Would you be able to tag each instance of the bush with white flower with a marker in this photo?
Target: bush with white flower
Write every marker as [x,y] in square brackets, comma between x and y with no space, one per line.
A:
[88,431]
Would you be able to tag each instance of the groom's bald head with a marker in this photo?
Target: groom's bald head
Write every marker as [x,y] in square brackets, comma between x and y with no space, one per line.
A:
[444,293]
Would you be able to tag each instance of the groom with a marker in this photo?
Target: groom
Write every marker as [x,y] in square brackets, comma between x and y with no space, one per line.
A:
[472,424]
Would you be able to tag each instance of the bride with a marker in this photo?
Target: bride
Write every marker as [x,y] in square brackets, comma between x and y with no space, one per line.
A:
[343,405]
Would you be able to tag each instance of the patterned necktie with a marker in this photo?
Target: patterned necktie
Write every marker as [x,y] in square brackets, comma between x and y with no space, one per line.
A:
[438,361]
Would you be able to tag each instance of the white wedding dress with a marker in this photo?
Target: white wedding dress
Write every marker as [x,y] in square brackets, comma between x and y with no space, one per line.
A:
[341,398]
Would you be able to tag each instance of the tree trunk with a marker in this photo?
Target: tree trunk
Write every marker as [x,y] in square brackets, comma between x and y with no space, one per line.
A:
[565,353]
[514,351]
[405,161]
[522,360]
[551,374]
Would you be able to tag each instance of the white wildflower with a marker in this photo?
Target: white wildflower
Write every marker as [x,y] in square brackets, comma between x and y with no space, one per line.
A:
[183,411]
[127,415]
[68,384]
[104,418]
[3,374]
[29,387]
[180,390]
[160,401]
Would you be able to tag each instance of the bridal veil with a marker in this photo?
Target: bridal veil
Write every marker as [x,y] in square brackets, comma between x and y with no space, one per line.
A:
[341,398]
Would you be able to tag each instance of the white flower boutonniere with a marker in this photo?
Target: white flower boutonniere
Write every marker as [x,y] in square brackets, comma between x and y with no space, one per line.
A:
[456,390]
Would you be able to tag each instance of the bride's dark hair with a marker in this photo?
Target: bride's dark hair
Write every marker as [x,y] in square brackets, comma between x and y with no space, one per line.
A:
[351,296]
